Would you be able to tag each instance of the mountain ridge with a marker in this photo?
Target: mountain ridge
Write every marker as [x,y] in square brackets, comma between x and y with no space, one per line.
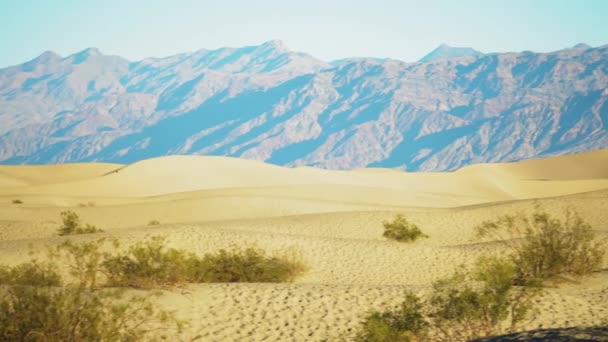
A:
[268,103]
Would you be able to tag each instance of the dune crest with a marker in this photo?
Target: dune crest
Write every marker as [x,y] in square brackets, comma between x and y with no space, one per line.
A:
[476,184]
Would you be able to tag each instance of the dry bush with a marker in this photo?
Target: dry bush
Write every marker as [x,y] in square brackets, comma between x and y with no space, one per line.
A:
[151,263]
[480,303]
[468,305]
[33,313]
[404,324]
[31,273]
[154,223]
[72,225]
[36,304]
[17,201]
[543,247]
[250,265]
[401,230]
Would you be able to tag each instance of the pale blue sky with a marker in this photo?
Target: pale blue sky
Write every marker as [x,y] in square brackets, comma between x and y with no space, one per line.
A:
[327,29]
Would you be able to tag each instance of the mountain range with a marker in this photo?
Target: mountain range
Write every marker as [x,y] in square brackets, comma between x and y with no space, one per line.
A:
[454,107]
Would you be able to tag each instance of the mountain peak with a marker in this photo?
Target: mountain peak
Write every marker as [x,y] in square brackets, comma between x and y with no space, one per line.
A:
[446,51]
[85,54]
[44,58]
[49,55]
[275,44]
[91,51]
[581,46]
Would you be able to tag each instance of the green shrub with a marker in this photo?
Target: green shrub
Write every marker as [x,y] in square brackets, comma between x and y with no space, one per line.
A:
[72,225]
[32,273]
[543,247]
[154,223]
[31,313]
[401,230]
[480,303]
[404,324]
[35,305]
[466,306]
[151,263]
[85,260]
[250,265]
[17,201]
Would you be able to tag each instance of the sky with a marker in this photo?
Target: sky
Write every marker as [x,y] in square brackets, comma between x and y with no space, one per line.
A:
[326,29]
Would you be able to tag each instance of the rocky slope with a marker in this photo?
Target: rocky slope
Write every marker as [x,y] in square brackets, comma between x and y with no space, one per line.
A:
[268,103]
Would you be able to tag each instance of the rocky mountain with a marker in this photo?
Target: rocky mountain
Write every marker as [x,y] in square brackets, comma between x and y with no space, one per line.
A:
[446,51]
[269,103]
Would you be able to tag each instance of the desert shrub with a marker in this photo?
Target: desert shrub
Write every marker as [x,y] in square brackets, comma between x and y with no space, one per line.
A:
[404,324]
[32,313]
[151,263]
[85,260]
[154,223]
[72,225]
[468,305]
[543,247]
[87,204]
[17,201]
[401,230]
[35,305]
[480,303]
[32,273]
[250,265]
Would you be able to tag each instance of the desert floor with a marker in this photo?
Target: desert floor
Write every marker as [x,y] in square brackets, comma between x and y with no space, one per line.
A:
[334,218]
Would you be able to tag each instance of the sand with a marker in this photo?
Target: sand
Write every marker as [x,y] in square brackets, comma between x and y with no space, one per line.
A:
[334,218]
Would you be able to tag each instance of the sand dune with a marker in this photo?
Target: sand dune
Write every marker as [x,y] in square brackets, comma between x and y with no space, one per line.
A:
[587,165]
[333,217]
[174,174]
[45,174]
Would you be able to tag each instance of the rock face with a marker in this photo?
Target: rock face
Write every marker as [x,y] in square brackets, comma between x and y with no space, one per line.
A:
[271,104]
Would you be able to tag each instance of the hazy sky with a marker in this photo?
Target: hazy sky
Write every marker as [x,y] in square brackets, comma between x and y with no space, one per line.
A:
[327,29]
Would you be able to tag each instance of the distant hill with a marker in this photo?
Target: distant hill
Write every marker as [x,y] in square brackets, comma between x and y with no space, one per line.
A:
[272,104]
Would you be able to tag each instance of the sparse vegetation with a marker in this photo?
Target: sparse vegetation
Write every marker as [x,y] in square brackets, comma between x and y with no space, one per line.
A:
[401,230]
[468,305]
[151,263]
[250,265]
[480,303]
[86,204]
[72,225]
[405,323]
[497,295]
[17,201]
[154,223]
[31,273]
[36,304]
[543,247]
